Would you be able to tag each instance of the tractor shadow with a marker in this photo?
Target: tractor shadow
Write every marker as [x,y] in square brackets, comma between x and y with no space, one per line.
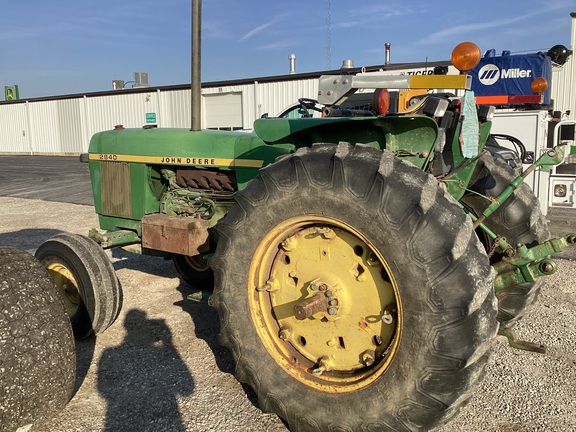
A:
[142,377]
[27,239]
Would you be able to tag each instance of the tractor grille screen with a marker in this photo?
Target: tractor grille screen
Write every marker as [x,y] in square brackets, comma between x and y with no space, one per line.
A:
[116,196]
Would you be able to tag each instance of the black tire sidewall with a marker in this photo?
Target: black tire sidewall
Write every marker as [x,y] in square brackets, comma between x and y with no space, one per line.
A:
[98,285]
[407,241]
[37,352]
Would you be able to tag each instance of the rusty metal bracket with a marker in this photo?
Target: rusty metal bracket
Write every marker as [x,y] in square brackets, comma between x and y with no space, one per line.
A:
[520,344]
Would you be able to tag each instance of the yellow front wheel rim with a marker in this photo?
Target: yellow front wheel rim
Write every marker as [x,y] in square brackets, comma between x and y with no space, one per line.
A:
[67,285]
[324,303]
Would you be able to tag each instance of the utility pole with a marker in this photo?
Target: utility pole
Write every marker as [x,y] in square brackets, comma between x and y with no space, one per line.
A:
[328,36]
[196,80]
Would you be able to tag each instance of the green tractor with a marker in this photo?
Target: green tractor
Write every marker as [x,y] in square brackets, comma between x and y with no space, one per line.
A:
[362,263]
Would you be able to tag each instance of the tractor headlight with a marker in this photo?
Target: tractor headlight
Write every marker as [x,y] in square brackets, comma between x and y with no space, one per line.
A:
[435,106]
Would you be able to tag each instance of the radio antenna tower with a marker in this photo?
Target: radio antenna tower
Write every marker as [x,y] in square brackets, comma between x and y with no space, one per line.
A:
[328,37]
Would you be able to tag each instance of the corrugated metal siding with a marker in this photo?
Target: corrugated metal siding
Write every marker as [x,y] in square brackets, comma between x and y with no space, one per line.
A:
[44,127]
[65,125]
[563,86]
[14,131]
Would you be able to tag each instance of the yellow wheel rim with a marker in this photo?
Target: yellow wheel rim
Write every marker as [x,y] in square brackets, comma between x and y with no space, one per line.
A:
[66,284]
[197,263]
[324,303]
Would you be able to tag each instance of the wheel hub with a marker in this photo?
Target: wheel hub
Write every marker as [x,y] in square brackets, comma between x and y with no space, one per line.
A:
[66,284]
[324,303]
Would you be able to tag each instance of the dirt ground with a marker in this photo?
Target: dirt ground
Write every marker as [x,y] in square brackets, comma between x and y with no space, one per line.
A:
[160,367]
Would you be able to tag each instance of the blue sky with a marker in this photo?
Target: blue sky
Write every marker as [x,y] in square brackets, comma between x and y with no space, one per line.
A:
[76,46]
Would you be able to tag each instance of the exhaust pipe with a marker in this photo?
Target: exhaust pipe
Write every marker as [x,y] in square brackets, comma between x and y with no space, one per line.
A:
[292,58]
[387,45]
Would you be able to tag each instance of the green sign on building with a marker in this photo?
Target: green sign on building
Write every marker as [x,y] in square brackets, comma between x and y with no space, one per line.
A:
[11,93]
[150,117]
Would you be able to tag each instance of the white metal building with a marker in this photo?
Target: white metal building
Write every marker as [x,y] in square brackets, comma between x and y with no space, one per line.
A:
[64,124]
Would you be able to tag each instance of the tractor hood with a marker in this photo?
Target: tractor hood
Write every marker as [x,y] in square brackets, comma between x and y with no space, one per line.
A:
[221,149]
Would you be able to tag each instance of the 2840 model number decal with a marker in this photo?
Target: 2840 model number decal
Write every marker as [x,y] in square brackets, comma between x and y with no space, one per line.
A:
[177,160]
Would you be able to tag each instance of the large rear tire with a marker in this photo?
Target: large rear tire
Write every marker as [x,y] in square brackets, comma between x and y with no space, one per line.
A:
[353,293]
[37,352]
[86,279]
[519,220]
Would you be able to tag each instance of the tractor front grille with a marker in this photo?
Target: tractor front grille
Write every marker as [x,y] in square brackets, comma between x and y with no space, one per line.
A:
[116,194]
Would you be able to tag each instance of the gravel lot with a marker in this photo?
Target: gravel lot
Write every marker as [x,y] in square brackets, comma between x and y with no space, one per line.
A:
[160,368]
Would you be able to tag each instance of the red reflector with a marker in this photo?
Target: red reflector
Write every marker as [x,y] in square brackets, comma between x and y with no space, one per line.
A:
[381,101]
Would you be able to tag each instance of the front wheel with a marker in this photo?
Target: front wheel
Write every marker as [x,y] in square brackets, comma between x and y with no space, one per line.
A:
[86,280]
[353,293]
[194,270]
[37,352]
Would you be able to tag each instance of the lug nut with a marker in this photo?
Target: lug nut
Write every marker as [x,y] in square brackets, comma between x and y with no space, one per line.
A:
[387,318]
[284,334]
[265,287]
[368,357]
[332,311]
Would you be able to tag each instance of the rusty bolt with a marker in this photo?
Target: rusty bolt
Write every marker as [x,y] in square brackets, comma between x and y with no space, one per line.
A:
[323,287]
[377,340]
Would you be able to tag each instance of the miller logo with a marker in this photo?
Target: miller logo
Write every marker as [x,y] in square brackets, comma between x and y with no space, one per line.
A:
[490,73]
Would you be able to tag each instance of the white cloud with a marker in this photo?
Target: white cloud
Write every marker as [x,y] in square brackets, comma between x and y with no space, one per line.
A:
[255,31]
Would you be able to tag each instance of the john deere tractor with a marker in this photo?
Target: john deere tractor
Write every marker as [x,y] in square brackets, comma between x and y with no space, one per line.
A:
[362,263]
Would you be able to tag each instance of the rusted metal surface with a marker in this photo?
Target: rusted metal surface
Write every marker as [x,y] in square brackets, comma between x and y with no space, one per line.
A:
[203,179]
[180,235]
[310,306]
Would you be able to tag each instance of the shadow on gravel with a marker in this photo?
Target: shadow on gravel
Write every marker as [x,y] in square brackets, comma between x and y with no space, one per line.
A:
[207,328]
[206,325]
[138,397]
[27,239]
[153,265]
[84,356]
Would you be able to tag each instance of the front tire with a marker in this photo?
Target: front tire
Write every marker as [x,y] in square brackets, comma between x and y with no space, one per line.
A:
[194,270]
[37,352]
[86,279]
[353,293]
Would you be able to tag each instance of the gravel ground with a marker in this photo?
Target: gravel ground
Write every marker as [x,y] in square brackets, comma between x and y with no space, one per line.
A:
[160,368]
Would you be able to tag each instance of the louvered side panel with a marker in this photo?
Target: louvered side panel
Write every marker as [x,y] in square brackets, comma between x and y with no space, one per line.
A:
[116,194]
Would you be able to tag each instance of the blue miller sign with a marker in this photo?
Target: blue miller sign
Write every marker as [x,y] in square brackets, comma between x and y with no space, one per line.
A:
[511,75]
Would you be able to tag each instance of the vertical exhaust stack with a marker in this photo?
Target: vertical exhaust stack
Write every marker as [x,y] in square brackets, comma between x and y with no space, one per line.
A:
[387,45]
[292,58]
[196,79]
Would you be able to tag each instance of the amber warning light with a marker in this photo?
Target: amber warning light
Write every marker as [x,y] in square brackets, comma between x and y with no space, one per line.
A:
[465,56]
